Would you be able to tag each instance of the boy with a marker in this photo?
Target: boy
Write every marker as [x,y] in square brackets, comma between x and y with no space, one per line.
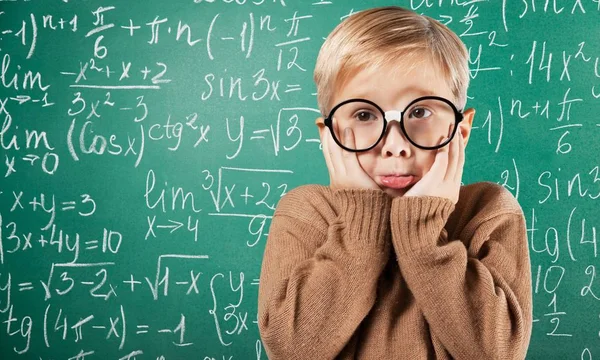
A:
[395,259]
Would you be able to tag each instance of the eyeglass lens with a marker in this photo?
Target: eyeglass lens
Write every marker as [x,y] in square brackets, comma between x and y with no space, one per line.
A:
[426,122]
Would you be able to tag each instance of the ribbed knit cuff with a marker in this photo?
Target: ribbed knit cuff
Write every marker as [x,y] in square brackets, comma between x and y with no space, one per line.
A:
[365,212]
[418,221]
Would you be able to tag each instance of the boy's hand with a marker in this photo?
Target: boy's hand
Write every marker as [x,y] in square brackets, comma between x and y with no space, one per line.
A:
[445,175]
[343,166]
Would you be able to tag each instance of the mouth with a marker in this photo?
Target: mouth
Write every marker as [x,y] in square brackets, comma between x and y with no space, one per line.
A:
[398,181]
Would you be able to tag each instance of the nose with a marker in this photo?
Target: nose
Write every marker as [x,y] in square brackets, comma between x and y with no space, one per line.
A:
[394,141]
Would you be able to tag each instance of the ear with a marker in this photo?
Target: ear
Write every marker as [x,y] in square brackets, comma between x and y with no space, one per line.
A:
[465,126]
[320,122]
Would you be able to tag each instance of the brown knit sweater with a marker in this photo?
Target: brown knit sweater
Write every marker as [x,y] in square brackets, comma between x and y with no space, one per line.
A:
[357,274]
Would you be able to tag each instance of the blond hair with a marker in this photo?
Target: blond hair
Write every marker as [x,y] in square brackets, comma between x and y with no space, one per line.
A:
[378,37]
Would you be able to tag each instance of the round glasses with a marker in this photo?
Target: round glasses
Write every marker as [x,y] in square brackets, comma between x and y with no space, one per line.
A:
[425,122]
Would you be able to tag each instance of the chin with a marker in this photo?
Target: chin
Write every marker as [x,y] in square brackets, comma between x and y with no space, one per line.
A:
[394,192]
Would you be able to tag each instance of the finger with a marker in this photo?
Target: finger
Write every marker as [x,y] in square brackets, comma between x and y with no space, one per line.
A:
[461,160]
[440,163]
[452,157]
[337,131]
[349,157]
[325,142]
[336,157]
[332,149]
[458,156]
[450,150]
[348,141]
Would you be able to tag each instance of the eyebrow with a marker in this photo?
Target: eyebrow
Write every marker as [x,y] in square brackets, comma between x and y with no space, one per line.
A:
[413,89]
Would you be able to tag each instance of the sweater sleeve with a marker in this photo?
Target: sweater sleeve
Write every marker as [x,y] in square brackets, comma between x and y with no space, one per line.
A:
[477,300]
[318,283]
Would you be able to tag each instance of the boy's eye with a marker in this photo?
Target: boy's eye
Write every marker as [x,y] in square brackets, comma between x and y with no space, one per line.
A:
[419,112]
[364,115]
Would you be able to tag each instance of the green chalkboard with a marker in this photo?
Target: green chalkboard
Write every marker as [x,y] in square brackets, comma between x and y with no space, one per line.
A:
[145,144]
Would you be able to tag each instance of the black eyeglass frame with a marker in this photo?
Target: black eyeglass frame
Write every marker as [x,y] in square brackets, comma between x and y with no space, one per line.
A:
[458,117]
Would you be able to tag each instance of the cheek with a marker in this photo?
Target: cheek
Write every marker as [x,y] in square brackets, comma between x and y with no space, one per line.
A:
[425,161]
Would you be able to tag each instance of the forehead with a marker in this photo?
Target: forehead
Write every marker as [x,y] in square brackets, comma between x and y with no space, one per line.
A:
[393,87]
